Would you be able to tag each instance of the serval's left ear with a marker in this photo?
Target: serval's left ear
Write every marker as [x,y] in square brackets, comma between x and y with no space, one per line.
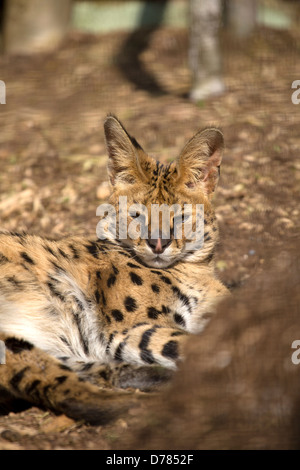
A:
[200,160]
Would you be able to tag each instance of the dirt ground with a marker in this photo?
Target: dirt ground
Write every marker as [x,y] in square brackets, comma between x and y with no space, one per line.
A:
[53,159]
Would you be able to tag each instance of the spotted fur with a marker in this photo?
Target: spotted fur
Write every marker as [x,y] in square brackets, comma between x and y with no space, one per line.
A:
[77,315]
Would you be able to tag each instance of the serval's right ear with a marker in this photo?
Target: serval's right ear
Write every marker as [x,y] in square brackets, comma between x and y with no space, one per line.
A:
[124,154]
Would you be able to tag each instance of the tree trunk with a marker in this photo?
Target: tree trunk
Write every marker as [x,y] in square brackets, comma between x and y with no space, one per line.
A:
[35,25]
[204,49]
[241,16]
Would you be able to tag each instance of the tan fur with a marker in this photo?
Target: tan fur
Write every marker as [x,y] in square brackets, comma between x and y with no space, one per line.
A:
[94,308]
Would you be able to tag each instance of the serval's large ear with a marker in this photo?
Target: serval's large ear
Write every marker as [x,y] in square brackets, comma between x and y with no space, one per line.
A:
[200,160]
[123,153]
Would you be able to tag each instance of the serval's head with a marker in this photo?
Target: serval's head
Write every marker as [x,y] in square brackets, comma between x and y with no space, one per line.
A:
[158,209]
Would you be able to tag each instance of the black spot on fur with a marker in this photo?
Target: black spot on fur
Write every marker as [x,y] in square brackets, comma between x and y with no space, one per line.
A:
[81,304]
[123,252]
[154,271]
[166,280]
[170,350]
[97,296]
[177,333]
[27,258]
[110,340]
[87,366]
[17,234]
[47,389]
[209,258]
[54,291]
[144,343]
[130,304]
[31,388]
[103,298]
[146,355]
[57,268]
[65,341]
[17,345]
[117,314]
[64,367]
[181,296]
[16,379]
[102,338]
[3,259]
[104,375]
[155,288]
[63,254]
[135,278]
[83,338]
[61,379]
[153,313]
[15,282]
[49,249]
[132,265]
[137,325]
[115,270]
[118,354]
[111,280]
[74,251]
[93,249]
[165,309]
[98,274]
[179,319]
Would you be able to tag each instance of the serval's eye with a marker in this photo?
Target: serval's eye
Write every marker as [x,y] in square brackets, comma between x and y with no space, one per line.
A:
[134,215]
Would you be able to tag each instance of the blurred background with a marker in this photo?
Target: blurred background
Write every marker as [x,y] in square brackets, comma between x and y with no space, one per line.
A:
[165,68]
